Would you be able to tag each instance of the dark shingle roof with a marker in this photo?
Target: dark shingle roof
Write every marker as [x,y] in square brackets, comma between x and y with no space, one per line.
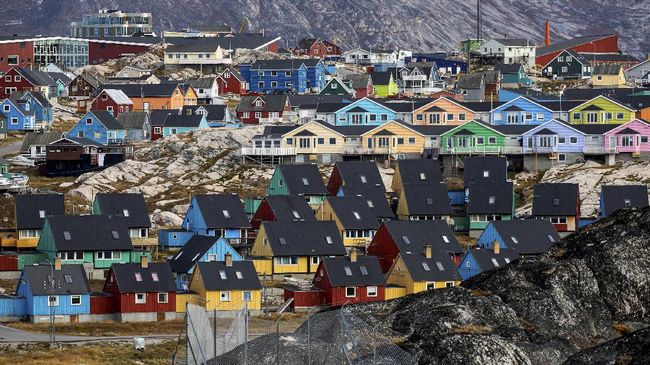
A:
[157,277]
[158,116]
[132,120]
[439,267]
[614,197]
[303,179]
[359,173]
[419,172]
[130,206]
[290,64]
[358,81]
[70,279]
[286,207]
[212,279]
[277,131]
[527,237]
[490,198]
[594,128]
[486,257]
[304,239]
[36,77]
[39,139]
[374,197]
[508,68]
[215,112]
[107,119]
[381,78]
[272,103]
[365,271]
[353,212]
[29,206]
[475,169]
[191,252]
[146,90]
[412,236]
[555,199]
[213,208]
[89,233]
[430,199]
[607,69]
[183,121]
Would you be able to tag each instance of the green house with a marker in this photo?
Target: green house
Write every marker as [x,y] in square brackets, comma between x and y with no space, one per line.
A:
[97,240]
[601,110]
[384,83]
[337,86]
[488,202]
[302,180]
[472,137]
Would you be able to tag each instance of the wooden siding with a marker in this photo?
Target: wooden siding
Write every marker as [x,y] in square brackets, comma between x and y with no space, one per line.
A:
[538,143]
[579,115]
[318,143]
[384,248]
[467,139]
[400,140]
[634,143]
[394,292]
[211,300]
[450,115]
[532,113]
[376,114]
[400,276]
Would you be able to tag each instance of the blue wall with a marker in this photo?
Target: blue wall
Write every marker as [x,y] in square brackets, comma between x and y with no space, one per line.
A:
[41,114]
[539,114]
[472,270]
[376,114]
[220,248]
[168,131]
[562,130]
[11,110]
[13,306]
[301,78]
[95,126]
[490,234]
[456,197]
[174,238]
[38,305]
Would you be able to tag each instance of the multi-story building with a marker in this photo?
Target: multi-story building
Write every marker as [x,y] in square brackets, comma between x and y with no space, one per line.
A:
[112,23]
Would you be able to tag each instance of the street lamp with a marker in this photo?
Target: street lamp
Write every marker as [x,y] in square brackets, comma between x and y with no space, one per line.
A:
[50,283]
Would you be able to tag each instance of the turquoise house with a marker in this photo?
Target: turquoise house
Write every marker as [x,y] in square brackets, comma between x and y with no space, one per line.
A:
[178,124]
[99,126]
[364,111]
[520,111]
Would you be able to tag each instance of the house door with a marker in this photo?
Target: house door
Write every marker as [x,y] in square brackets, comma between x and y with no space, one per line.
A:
[145,106]
[434,118]
[592,117]
[612,142]
[512,118]
[463,142]
[369,142]
[383,142]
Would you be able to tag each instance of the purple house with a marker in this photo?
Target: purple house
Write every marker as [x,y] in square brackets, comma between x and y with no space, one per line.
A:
[629,138]
[551,143]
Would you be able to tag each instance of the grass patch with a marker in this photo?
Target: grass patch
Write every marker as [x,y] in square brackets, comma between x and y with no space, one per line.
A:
[471,329]
[465,241]
[621,328]
[480,293]
[104,328]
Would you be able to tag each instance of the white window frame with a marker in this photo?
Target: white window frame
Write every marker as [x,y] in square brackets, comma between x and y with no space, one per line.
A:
[369,289]
[166,296]
[224,296]
[354,288]
[72,300]
[53,303]
[140,301]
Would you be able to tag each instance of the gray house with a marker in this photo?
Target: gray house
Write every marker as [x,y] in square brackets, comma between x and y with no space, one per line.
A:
[136,124]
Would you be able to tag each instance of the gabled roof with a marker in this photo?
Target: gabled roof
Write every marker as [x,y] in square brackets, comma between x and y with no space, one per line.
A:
[70,279]
[470,81]
[544,127]
[615,197]
[513,129]
[516,108]
[488,260]
[215,112]
[272,103]
[36,95]
[358,81]
[302,179]
[577,56]
[594,129]
[625,129]
[527,237]
[475,168]
[36,77]
[91,78]
[365,271]
[555,199]
[343,84]
[222,211]
[490,198]
[130,206]
[431,199]
[183,120]
[481,106]
[508,68]
[158,116]
[412,236]
[217,275]
[353,212]
[39,139]
[606,98]
[157,277]
[569,43]
[381,78]
[439,267]
[304,239]
[191,253]
[374,197]
[202,82]
[165,90]
[276,131]
[290,208]
[234,73]
[290,64]
[419,172]
[132,120]
[118,96]
[60,76]
[106,118]
[28,209]
[89,233]
[359,173]
[607,69]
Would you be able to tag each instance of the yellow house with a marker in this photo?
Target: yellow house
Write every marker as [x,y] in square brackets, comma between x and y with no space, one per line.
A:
[289,248]
[420,271]
[227,285]
[424,202]
[442,111]
[606,76]
[315,137]
[393,137]
[415,172]
[355,220]
[189,95]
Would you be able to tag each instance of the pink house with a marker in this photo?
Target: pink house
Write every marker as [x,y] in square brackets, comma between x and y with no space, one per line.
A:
[631,137]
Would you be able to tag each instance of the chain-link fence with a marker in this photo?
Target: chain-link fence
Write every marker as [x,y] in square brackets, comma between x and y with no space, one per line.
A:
[328,337]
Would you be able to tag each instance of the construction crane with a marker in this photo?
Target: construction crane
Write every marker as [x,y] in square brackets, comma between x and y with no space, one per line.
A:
[244,23]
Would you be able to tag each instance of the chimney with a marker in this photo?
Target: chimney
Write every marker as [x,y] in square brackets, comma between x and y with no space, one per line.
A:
[144,262]
[57,263]
[428,251]
[548,34]
[228,259]
[353,255]
[495,247]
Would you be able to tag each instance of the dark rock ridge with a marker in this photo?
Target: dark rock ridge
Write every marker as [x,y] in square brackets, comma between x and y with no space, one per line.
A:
[632,349]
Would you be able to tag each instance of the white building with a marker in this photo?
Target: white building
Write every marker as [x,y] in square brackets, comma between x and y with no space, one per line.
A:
[509,51]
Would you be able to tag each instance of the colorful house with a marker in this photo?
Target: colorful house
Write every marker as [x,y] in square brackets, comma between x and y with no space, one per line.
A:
[183,123]
[54,289]
[354,219]
[551,143]
[478,260]
[615,197]
[199,249]
[262,109]
[99,126]
[282,208]
[353,174]
[364,112]
[302,180]
[299,75]
[286,248]
[424,202]
[393,138]
[608,76]
[39,104]
[26,79]
[227,285]
[218,215]
[113,101]
[349,280]
[442,111]
[488,202]
[230,81]
[559,203]
[17,115]
[521,111]
[362,85]
[315,139]
[147,97]
[629,138]
[131,207]
[426,269]
[136,124]
[528,237]
[601,110]
[337,86]
[568,64]
[513,75]
[471,138]
[31,212]
[143,292]
[384,84]
[84,86]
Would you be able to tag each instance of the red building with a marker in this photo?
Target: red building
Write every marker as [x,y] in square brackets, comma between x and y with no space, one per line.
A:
[282,208]
[19,53]
[316,47]
[599,44]
[157,118]
[231,82]
[362,85]
[447,94]
[113,101]
[83,86]
[100,51]
[262,109]
[142,288]
[24,79]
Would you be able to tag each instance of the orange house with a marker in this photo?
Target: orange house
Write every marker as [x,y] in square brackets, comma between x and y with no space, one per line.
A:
[189,95]
[442,111]
[154,96]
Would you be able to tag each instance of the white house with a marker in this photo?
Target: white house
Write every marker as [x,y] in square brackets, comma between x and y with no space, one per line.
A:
[639,73]
[510,51]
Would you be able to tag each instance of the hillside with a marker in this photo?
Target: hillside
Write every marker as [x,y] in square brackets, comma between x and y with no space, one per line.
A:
[415,24]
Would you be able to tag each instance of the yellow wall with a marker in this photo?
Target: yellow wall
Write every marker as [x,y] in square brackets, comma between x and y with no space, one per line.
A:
[402,207]
[449,107]
[396,184]
[182,299]
[211,299]
[190,97]
[27,242]
[326,213]
[263,266]
[399,275]
[609,80]
[399,131]
[394,292]
[261,250]
[320,132]
[571,224]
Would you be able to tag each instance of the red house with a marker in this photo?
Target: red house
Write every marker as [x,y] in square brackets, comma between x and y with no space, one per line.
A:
[24,79]
[143,292]
[316,47]
[282,208]
[362,85]
[231,82]
[113,101]
[157,118]
[559,203]
[83,86]
[262,109]
[353,279]
[599,44]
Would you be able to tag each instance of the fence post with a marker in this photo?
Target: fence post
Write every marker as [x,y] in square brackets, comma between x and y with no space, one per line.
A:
[246,333]
[214,323]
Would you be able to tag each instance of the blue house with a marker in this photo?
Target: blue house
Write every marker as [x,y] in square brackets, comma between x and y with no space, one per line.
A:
[199,249]
[99,126]
[177,124]
[364,112]
[478,260]
[520,111]
[527,237]
[63,289]
[18,114]
[538,96]
[41,107]
[513,75]
[297,75]
[174,238]
[218,215]
[553,136]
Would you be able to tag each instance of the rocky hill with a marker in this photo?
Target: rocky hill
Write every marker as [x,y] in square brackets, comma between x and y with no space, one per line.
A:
[416,24]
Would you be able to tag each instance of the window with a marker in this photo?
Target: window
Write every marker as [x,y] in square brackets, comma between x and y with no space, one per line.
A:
[556,202]
[406,240]
[66,235]
[573,140]
[329,240]
[53,301]
[154,276]
[356,216]
[321,140]
[67,278]
[446,239]
[315,260]
[138,276]
[492,200]
[222,275]
[75,300]
[411,140]
[116,236]
[371,291]
[7,108]
[480,140]
[627,203]
[486,173]
[561,157]
[495,262]
[162,298]
[81,134]
[283,241]
[246,296]
[364,270]
[291,260]
[492,140]
[461,116]
[514,239]
[348,271]
[430,286]
[350,291]
[89,120]
[425,266]
[550,238]
[140,298]
[439,266]
[224,296]
[577,116]
[12,61]
[423,176]
[620,115]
